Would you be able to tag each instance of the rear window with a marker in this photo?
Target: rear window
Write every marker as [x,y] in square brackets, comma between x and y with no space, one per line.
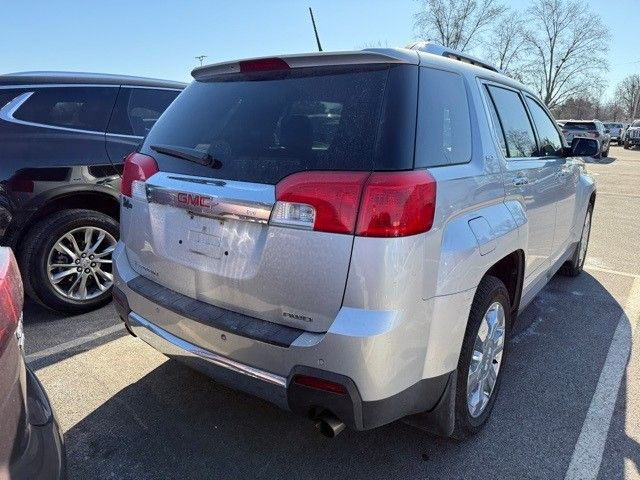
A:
[580,126]
[263,128]
[84,108]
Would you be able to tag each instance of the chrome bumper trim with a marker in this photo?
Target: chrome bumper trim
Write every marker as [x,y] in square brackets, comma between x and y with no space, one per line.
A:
[137,322]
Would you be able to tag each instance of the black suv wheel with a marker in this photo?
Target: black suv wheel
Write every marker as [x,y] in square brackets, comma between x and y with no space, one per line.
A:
[66,260]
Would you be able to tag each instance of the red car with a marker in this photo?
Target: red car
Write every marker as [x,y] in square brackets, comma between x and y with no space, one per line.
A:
[31,443]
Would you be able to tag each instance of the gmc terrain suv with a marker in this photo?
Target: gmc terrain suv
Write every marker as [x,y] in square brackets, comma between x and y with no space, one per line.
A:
[63,138]
[350,235]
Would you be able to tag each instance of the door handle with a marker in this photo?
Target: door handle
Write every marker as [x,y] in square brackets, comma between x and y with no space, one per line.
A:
[520,181]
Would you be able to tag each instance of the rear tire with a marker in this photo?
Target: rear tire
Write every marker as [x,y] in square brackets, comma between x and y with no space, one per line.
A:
[491,294]
[38,255]
[574,267]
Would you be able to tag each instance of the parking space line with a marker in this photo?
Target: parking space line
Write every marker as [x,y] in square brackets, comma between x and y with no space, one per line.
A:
[613,272]
[587,455]
[76,342]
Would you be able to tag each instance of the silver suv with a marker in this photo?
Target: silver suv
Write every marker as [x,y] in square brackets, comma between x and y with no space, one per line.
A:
[350,235]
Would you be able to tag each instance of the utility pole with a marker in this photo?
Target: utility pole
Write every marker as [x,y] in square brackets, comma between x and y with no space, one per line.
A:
[315,30]
[201,58]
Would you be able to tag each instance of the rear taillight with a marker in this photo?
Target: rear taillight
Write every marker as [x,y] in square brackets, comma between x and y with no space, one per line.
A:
[11,296]
[380,204]
[322,201]
[137,169]
[397,204]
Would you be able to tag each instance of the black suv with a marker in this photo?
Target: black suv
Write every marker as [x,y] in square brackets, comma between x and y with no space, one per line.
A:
[63,137]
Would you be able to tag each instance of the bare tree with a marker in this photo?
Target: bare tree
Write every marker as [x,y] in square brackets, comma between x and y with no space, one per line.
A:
[567,50]
[457,24]
[504,47]
[628,96]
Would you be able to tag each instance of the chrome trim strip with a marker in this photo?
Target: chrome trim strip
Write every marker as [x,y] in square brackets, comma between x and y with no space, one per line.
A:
[207,355]
[209,205]
[122,135]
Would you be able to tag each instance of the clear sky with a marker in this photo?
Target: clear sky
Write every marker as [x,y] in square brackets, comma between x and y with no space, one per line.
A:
[161,38]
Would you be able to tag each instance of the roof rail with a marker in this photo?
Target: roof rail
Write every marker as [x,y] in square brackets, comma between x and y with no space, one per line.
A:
[437,49]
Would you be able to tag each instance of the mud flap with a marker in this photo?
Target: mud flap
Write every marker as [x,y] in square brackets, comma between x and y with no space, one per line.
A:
[440,420]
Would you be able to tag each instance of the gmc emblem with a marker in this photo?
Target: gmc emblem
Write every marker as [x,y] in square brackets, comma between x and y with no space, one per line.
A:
[194,200]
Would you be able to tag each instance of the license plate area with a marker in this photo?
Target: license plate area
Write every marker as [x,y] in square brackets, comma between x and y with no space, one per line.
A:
[204,243]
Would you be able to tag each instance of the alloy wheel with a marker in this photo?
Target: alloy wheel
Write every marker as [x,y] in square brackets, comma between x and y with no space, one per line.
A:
[486,359]
[584,240]
[79,265]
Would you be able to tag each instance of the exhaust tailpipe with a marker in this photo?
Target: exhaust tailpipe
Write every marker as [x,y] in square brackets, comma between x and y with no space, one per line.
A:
[328,424]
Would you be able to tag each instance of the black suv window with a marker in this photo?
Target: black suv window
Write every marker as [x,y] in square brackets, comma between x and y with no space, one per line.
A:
[137,109]
[84,108]
[515,123]
[6,95]
[548,136]
[266,126]
[444,126]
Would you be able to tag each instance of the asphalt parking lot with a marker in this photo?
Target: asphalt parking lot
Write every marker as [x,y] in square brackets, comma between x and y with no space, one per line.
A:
[569,406]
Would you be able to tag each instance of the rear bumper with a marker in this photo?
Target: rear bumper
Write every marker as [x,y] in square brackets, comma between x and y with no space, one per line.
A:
[365,351]
[285,393]
[43,456]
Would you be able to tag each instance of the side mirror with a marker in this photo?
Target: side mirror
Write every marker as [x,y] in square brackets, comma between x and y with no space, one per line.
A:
[606,130]
[584,147]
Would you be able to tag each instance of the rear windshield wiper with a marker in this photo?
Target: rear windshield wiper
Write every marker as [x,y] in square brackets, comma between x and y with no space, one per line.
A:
[190,154]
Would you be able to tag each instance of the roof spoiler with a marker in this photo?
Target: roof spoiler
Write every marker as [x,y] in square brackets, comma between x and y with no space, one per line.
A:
[306,60]
[442,51]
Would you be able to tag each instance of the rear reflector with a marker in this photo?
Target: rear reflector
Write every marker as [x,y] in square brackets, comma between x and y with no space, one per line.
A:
[263,65]
[137,169]
[320,384]
[11,296]
[379,204]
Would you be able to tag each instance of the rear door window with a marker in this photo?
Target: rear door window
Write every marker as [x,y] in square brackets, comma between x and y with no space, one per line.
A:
[548,136]
[579,126]
[266,126]
[83,108]
[516,126]
[444,126]
[138,109]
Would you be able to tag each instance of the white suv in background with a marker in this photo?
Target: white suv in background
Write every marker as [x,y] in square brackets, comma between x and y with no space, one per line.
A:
[350,235]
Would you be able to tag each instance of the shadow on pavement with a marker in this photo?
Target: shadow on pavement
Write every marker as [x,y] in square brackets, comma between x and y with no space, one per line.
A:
[186,426]
[601,161]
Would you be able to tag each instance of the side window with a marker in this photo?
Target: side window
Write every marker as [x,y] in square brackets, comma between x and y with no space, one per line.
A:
[444,126]
[84,108]
[137,109]
[497,127]
[548,136]
[515,123]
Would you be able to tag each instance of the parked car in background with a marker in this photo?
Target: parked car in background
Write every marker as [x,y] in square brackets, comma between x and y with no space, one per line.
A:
[63,137]
[589,129]
[615,131]
[31,443]
[291,227]
[632,135]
